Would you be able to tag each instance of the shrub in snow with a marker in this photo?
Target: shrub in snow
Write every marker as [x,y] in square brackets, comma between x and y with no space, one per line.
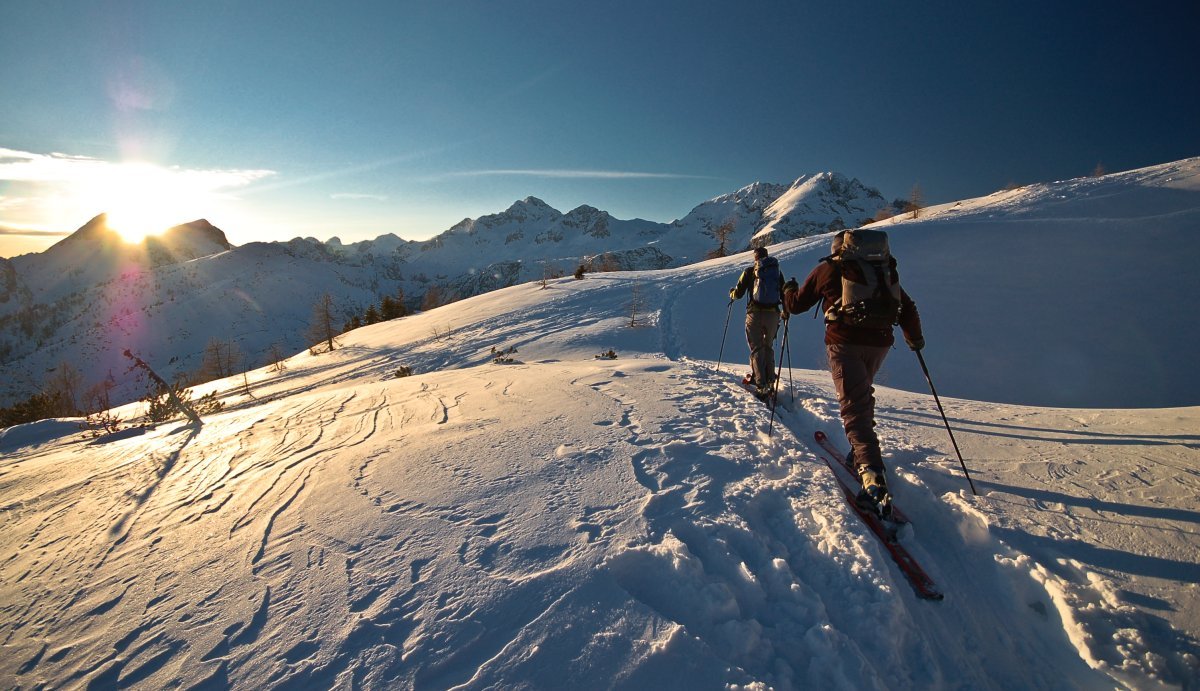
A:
[161,408]
[504,357]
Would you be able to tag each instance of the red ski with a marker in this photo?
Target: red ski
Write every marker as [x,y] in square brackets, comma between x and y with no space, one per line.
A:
[827,444]
[920,581]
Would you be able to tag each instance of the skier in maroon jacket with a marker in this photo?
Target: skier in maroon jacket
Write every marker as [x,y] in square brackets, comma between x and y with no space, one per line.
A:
[855,355]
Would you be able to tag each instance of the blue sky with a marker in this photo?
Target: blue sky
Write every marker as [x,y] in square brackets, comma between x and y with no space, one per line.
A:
[278,119]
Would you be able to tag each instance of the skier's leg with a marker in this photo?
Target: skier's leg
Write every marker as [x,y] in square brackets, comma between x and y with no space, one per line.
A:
[751,340]
[770,328]
[760,335]
[853,369]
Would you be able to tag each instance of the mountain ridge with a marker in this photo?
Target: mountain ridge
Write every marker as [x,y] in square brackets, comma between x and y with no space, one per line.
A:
[259,294]
[92,295]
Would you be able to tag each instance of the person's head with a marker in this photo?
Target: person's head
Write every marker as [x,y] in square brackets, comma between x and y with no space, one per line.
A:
[838,240]
[760,253]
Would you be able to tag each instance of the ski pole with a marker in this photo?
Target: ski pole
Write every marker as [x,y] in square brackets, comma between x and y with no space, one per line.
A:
[775,389]
[791,377]
[725,332]
[942,410]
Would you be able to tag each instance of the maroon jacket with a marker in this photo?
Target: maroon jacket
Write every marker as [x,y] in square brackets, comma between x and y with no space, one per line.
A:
[824,285]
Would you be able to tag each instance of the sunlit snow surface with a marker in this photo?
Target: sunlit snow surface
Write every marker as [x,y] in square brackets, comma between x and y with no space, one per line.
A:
[563,521]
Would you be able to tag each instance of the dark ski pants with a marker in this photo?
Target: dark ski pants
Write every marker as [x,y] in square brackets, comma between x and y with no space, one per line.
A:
[854,368]
[761,327]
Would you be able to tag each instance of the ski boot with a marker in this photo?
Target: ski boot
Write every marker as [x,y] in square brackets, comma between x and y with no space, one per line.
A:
[762,393]
[874,495]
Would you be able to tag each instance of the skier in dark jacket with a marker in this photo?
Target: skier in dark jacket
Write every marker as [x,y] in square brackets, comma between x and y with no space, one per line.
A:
[855,356]
[762,317]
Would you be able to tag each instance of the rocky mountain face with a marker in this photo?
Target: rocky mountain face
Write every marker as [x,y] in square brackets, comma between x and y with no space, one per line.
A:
[92,295]
[188,241]
[764,214]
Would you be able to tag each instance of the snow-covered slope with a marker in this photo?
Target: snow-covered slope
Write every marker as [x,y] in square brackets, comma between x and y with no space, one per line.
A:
[91,296]
[1075,293]
[567,522]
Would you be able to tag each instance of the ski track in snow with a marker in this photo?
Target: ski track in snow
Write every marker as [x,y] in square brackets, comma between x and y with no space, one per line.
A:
[757,561]
[562,521]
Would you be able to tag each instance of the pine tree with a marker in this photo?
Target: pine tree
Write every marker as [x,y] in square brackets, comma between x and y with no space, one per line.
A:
[722,234]
[63,386]
[322,329]
[400,306]
[916,201]
[221,359]
[434,297]
[388,309]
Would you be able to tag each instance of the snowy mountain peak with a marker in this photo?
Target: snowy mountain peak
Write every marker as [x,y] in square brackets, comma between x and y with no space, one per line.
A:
[766,213]
[96,230]
[199,230]
[94,246]
[531,208]
[584,211]
[527,210]
[832,184]
[817,204]
[197,238]
[588,220]
[754,197]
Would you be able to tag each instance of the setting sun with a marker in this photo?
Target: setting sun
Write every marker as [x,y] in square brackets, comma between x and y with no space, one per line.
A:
[52,193]
[143,199]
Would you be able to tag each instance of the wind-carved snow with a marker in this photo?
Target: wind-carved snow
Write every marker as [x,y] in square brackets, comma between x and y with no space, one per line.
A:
[568,521]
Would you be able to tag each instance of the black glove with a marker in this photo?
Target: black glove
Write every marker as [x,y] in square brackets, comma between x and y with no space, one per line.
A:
[915,344]
[733,293]
[790,286]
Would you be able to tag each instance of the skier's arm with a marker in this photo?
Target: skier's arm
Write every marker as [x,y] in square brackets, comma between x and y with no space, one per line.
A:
[910,322]
[743,284]
[801,300]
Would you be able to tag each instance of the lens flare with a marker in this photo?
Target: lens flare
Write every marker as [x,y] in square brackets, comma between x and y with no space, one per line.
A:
[143,199]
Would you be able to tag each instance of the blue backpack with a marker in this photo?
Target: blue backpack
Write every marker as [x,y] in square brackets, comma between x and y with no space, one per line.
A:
[767,279]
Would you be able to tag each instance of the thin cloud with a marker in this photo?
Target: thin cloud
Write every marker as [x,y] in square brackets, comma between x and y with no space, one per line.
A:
[26,167]
[56,190]
[357,169]
[354,196]
[531,83]
[561,173]
[31,233]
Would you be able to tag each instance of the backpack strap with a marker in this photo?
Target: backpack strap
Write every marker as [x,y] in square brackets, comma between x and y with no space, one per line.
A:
[881,287]
[830,313]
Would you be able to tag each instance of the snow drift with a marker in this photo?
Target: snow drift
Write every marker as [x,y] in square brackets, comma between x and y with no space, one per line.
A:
[567,521]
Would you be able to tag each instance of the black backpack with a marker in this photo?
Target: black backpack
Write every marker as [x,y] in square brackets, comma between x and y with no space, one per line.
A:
[870,284]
